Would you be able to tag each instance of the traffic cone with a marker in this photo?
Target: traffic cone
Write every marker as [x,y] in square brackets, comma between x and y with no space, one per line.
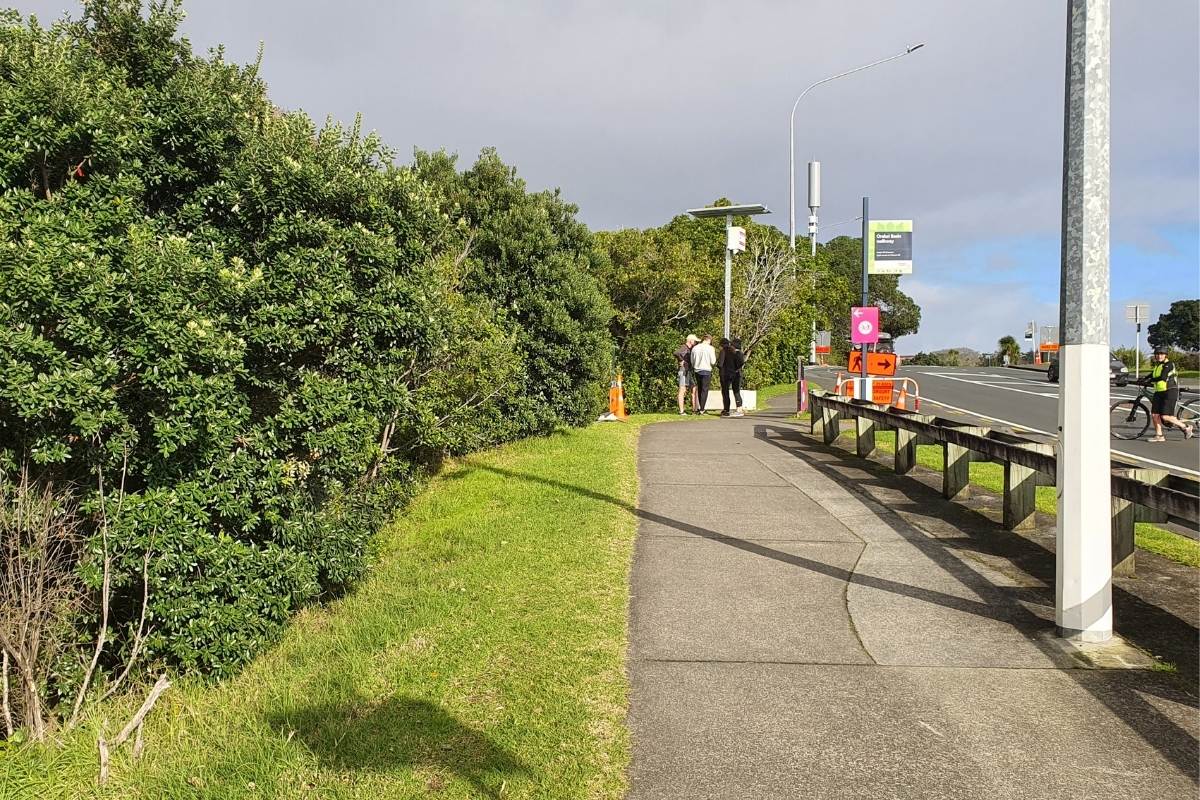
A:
[619,411]
[900,401]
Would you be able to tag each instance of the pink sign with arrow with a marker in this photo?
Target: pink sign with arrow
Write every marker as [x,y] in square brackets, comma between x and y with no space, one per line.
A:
[864,324]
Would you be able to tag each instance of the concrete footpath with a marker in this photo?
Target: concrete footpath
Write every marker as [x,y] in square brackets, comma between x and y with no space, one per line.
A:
[806,625]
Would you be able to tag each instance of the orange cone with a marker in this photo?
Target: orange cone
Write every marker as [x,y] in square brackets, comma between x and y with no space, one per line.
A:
[619,411]
[900,401]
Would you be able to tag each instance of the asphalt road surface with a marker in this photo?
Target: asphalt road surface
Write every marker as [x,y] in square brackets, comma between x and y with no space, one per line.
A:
[1025,400]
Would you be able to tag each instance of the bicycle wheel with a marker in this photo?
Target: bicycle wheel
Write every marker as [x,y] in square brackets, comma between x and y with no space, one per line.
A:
[1128,419]
[1189,412]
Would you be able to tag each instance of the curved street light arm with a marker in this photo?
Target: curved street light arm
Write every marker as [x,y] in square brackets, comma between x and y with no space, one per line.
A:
[792,130]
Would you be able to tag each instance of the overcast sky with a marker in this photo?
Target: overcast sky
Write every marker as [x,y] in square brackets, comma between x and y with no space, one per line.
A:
[638,110]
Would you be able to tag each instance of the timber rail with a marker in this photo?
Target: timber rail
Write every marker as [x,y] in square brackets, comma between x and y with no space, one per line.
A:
[1029,460]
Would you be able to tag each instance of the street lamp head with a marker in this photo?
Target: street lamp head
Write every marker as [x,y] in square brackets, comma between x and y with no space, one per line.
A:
[914,47]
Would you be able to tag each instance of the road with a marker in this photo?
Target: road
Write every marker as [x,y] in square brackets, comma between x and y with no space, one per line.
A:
[1025,400]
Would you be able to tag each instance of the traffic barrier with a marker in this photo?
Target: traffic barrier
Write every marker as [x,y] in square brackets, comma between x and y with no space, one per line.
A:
[1029,460]
[616,398]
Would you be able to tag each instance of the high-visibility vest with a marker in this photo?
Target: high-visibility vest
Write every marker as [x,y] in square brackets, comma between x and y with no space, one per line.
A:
[1156,373]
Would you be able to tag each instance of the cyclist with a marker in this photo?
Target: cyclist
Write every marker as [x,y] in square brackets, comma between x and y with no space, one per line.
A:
[1165,383]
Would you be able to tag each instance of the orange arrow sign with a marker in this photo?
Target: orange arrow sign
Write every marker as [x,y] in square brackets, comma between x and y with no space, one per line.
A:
[877,363]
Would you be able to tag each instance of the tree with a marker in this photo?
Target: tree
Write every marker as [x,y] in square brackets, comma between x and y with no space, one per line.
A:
[1009,347]
[899,314]
[269,329]
[1179,327]
[765,290]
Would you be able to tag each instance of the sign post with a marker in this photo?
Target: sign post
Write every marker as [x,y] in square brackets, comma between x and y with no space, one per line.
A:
[866,281]
[1137,313]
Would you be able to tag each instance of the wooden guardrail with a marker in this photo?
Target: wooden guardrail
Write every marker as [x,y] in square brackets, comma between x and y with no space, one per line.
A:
[1138,494]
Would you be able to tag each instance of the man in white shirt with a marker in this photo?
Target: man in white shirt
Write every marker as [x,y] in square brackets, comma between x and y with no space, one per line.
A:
[704,358]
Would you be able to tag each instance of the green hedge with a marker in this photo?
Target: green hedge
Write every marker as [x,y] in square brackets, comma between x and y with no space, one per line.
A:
[269,326]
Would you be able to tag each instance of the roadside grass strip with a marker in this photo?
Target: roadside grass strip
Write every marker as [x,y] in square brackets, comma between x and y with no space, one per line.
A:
[484,657]
[989,476]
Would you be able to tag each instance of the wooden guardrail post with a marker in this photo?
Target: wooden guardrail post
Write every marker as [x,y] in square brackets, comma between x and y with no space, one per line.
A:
[957,471]
[1123,549]
[906,445]
[1020,488]
[1154,477]
[831,424]
[864,442]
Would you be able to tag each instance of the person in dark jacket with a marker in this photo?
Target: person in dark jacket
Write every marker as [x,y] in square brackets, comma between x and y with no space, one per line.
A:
[1165,382]
[730,361]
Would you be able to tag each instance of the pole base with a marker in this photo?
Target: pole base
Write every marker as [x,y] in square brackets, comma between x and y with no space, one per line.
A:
[1073,635]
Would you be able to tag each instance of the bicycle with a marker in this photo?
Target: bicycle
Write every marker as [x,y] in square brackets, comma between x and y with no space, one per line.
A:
[1129,419]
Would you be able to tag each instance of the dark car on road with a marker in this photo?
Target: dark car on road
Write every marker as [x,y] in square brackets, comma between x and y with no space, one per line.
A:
[1118,373]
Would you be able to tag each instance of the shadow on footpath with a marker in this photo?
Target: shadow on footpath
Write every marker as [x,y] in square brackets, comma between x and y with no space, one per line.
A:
[983,535]
[1149,626]
[1111,687]
[389,733]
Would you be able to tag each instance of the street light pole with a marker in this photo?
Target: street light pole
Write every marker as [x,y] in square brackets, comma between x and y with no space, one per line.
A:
[812,234]
[814,202]
[792,132]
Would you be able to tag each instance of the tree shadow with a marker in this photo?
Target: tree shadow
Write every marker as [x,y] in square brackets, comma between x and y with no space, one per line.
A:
[1145,624]
[394,733]
[1122,691]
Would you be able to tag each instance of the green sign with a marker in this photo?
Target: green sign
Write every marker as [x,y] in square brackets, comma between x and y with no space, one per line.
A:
[889,247]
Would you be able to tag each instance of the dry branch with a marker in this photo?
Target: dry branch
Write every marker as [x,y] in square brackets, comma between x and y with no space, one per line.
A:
[160,686]
[8,720]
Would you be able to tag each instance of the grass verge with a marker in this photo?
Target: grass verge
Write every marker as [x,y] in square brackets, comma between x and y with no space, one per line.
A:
[484,657]
[990,476]
[768,392]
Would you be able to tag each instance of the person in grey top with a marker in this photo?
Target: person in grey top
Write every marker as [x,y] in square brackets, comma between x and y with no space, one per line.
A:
[704,358]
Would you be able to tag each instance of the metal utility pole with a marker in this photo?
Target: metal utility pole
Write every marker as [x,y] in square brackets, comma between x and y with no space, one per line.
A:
[728,272]
[1083,574]
[814,202]
[866,278]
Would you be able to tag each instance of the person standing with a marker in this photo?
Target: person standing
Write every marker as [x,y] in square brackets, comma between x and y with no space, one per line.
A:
[704,358]
[687,384]
[730,361]
[1165,383]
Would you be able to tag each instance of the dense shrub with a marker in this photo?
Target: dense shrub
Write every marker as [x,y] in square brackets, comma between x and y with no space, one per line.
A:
[264,330]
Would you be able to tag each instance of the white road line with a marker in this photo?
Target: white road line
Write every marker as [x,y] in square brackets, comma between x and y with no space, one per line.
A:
[1021,426]
[1005,388]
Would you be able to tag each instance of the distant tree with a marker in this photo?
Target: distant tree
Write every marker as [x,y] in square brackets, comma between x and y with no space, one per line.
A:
[899,313]
[924,359]
[1010,348]
[1179,327]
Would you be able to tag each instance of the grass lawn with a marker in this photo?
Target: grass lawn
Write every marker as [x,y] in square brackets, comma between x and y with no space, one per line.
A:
[990,476]
[484,657]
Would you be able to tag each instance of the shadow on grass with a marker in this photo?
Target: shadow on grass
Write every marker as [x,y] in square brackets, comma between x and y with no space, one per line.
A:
[1123,692]
[396,733]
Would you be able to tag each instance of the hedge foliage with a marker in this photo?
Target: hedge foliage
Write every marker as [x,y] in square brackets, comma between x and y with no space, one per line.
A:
[267,326]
